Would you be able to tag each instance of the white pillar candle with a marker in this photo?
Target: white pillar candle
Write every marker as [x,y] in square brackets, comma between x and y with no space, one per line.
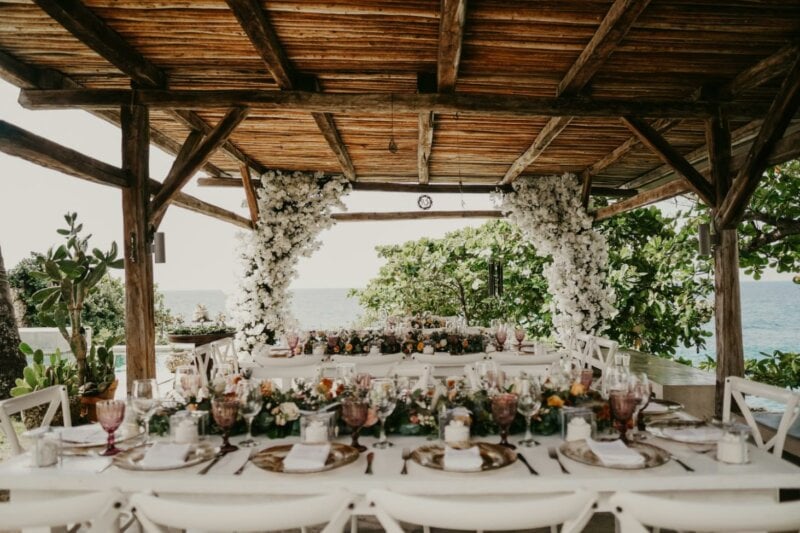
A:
[455,432]
[732,448]
[578,429]
[316,432]
[186,432]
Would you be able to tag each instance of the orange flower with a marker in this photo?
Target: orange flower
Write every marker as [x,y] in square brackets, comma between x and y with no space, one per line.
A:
[555,401]
[266,388]
[420,346]
[348,347]
[336,349]
[465,343]
[325,384]
[577,389]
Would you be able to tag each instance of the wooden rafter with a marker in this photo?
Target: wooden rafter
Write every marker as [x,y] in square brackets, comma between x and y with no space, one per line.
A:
[451,36]
[414,215]
[383,103]
[612,29]
[259,30]
[180,173]
[670,156]
[88,28]
[28,76]
[664,192]
[755,76]
[194,138]
[781,112]
[426,84]
[249,193]
[718,144]
[40,151]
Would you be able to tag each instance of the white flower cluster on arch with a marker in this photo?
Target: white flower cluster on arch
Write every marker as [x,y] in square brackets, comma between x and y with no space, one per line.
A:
[549,212]
[294,207]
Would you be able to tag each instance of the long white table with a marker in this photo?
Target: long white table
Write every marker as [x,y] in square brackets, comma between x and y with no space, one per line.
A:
[762,477]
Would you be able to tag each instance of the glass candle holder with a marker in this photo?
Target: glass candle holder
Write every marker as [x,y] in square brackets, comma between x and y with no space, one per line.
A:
[183,428]
[454,425]
[577,423]
[316,428]
[46,447]
[732,447]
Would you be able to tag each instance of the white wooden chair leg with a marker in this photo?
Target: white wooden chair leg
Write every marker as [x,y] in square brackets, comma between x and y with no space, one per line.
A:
[354,524]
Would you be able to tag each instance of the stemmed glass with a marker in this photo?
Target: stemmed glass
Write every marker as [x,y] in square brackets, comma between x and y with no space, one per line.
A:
[383,398]
[292,339]
[519,335]
[346,373]
[249,395]
[225,413]
[623,403]
[187,382]
[504,409]
[145,402]
[489,375]
[528,404]
[354,414]
[110,414]
[642,390]
[500,335]
[333,340]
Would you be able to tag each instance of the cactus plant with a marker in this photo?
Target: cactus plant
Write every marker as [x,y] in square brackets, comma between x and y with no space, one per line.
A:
[100,368]
[37,375]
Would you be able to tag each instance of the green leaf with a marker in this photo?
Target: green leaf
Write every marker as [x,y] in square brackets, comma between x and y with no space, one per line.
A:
[25,348]
[62,231]
[43,294]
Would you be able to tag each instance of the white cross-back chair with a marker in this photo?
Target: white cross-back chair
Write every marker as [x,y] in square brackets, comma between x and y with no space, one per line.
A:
[98,512]
[583,347]
[572,510]
[637,512]
[424,374]
[736,388]
[202,360]
[223,351]
[600,353]
[55,396]
[156,514]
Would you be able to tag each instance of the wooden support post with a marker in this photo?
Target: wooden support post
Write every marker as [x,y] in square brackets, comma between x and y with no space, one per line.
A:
[140,333]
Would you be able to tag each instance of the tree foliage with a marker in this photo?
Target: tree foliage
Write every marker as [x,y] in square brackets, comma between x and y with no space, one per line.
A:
[662,288]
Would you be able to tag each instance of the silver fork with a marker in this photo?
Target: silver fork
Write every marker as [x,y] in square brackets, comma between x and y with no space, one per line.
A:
[244,465]
[553,454]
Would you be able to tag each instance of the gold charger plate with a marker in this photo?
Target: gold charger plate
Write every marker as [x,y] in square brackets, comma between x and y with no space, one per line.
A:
[578,450]
[118,439]
[494,456]
[271,459]
[129,459]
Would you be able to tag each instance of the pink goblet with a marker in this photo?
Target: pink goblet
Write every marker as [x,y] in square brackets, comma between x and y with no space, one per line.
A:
[623,404]
[504,409]
[225,413]
[110,414]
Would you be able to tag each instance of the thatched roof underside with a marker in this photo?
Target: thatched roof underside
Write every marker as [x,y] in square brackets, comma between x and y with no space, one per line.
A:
[525,48]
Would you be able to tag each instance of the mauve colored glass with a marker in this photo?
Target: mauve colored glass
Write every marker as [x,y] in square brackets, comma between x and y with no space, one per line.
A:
[110,414]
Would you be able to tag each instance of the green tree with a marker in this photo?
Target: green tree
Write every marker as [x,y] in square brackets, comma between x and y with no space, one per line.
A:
[12,361]
[24,285]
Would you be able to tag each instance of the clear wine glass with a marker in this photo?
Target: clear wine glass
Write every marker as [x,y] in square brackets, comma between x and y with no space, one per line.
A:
[187,382]
[110,414]
[346,373]
[489,374]
[292,339]
[504,409]
[144,399]
[519,335]
[528,404]
[642,389]
[225,412]
[249,395]
[354,414]
[383,398]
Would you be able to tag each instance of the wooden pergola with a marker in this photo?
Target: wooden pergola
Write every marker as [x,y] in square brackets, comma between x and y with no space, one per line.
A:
[644,100]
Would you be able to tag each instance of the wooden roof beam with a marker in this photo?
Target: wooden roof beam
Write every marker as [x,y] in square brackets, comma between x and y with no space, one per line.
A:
[780,114]
[21,143]
[259,30]
[755,76]
[191,162]
[612,29]
[670,156]
[452,18]
[91,30]
[664,192]
[249,193]
[414,215]
[382,103]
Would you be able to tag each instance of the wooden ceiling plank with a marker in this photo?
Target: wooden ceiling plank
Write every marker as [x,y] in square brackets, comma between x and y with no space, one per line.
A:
[414,215]
[613,28]
[780,114]
[664,192]
[249,193]
[384,103]
[670,156]
[88,28]
[26,145]
[755,76]
[40,151]
[451,37]
[181,174]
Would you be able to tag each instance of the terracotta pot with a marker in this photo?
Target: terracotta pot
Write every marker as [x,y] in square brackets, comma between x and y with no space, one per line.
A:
[89,403]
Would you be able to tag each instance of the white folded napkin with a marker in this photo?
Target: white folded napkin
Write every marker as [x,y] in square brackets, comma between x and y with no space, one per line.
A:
[702,434]
[655,409]
[615,453]
[91,434]
[305,457]
[231,462]
[466,460]
[165,455]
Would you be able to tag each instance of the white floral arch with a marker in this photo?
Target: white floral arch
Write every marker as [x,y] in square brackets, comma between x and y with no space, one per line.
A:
[549,212]
[294,207]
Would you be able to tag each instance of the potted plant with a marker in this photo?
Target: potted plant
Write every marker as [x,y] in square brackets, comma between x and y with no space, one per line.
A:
[72,273]
[101,381]
[202,331]
[37,376]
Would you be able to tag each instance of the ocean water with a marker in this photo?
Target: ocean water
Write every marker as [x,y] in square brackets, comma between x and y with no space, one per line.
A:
[770,313]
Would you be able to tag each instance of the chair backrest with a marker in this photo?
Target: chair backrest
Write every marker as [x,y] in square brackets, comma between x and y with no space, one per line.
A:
[55,396]
[424,374]
[203,362]
[332,509]
[224,351]
[736,388]
[573,510]
[600,353]
[636,512]
[284,376]
[101,509]
[583,347]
